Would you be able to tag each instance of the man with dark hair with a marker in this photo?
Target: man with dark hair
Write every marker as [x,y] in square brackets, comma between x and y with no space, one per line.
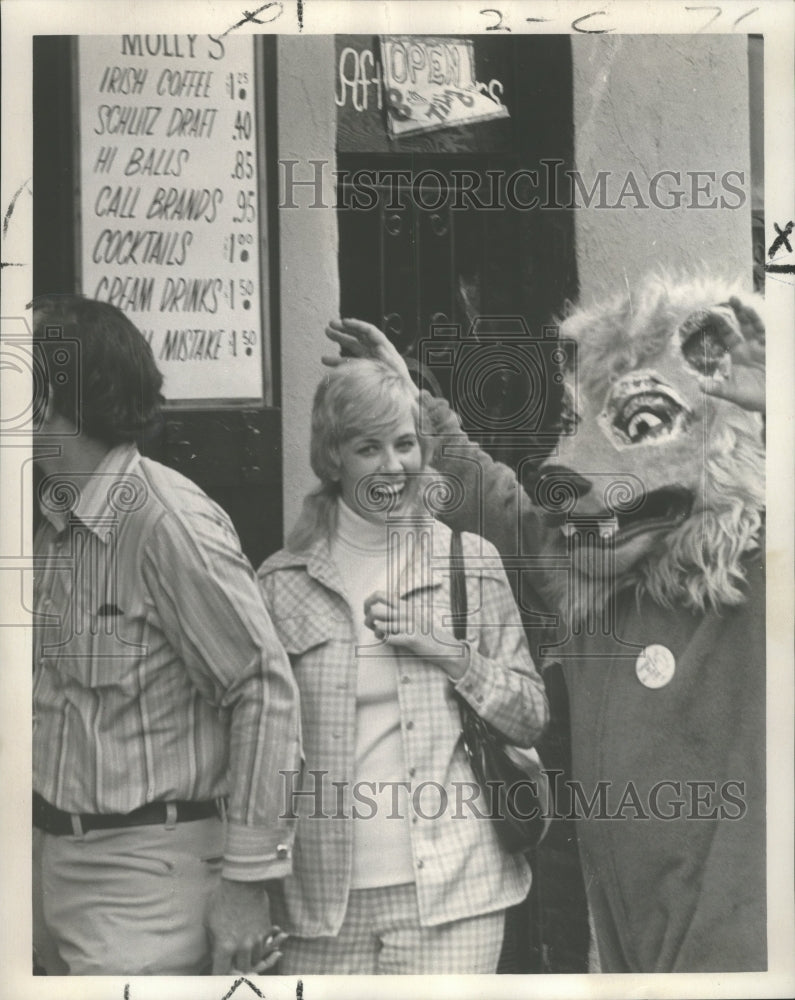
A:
[115,393]
[164,706]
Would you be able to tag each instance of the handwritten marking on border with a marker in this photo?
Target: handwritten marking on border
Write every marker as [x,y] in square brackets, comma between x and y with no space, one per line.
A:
[499,25]
[239,982]
[748,13]
[501,18]
[299,989]
[591,31]
[12,205]
[713,18]
[781,240]
[250,16]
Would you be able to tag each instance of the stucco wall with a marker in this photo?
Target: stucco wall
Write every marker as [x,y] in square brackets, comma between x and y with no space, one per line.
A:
[650,103]
[308,246]
[642,104]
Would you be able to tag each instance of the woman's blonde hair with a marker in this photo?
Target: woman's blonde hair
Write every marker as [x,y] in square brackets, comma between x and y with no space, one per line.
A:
[358,396]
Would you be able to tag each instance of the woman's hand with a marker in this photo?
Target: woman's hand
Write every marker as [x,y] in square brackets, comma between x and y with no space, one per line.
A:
[410,624]
[745,384]
[363,340]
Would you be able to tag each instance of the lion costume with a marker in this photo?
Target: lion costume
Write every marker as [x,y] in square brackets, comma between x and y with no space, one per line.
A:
[645,534]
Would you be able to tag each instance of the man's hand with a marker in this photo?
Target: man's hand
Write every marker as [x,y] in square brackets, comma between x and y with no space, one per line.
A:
[363,340]
[745,384]
[241,935]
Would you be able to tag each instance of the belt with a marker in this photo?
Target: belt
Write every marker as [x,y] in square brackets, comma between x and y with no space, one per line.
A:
[59,823]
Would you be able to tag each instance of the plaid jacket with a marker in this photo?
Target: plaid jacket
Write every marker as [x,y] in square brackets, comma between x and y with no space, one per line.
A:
[460,868]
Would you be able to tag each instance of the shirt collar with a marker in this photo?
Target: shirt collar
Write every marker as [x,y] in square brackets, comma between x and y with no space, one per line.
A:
[93,498]
[320,565]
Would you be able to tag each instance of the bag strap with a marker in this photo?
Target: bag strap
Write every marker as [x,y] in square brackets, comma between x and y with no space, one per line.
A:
[458,586]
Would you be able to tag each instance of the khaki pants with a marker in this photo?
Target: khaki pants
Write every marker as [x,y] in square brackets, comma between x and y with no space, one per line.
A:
[126,902]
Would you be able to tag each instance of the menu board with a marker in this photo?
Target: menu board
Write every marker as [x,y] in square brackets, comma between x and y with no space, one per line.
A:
[170,216]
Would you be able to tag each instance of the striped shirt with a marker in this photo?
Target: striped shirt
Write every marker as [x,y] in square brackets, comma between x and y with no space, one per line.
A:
[157,673]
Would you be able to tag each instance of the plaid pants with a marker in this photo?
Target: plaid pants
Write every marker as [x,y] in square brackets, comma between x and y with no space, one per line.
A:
[381,935]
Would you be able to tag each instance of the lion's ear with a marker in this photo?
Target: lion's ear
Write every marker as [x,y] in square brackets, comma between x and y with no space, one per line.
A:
[707,336]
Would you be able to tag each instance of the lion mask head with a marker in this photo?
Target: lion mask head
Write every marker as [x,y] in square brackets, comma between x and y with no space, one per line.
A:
[654,482]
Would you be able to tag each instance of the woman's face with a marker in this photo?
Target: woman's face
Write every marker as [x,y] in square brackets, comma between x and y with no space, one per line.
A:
[378,470]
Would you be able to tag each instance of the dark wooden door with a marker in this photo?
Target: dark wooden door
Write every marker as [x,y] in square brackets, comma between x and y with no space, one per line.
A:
[429,263]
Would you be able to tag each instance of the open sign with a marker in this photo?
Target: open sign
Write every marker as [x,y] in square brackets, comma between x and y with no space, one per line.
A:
[430,83]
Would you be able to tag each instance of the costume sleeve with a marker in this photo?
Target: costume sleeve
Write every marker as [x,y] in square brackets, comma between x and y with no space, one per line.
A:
[213,615]
[493,504]
[500,682]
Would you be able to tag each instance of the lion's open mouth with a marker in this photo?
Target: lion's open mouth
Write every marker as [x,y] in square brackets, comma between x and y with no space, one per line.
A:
[665,508]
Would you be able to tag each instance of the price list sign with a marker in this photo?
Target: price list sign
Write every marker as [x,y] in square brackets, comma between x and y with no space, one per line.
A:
[169,228]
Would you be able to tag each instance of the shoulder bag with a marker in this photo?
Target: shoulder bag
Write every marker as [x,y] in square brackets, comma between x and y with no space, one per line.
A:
[513,781]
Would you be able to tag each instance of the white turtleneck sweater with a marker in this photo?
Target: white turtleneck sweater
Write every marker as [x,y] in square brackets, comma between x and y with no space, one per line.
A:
[382,845]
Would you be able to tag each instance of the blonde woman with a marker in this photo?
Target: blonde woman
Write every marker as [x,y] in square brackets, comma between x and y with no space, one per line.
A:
[397,867]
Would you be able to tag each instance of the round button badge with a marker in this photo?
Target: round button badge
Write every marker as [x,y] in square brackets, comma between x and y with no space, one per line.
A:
[655,666]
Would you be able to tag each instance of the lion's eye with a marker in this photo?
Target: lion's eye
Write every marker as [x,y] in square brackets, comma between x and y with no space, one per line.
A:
[642,425]
[646,415]
[642,409]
